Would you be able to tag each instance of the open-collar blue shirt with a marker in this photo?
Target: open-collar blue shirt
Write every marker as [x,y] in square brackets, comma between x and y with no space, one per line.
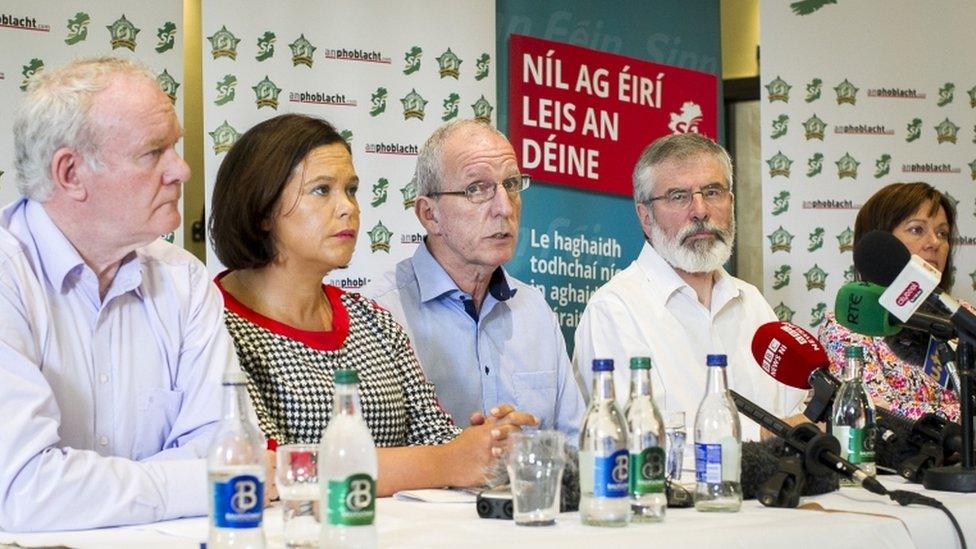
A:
[511,351]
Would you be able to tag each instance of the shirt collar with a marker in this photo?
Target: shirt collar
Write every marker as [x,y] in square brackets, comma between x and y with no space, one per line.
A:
[434,281]
[665,280]
[60,259]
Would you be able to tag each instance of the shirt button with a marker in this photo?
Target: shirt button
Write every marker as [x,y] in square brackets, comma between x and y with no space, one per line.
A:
[103,378]
[486,370]
[103,441]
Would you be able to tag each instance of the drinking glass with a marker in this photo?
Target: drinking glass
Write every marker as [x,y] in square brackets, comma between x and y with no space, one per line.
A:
[674,429]
[296,476]
[535,470]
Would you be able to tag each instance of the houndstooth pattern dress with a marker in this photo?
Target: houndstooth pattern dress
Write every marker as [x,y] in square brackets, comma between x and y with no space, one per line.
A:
[291,373]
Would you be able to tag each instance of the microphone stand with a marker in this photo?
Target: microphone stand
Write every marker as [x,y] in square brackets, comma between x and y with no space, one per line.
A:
[961,477]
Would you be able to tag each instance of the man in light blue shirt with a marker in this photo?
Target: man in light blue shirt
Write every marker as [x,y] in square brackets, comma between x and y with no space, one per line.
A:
[112,342]
[483,337]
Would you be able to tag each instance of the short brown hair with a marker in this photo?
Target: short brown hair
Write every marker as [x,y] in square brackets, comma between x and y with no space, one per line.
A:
[250,182]
[894,203]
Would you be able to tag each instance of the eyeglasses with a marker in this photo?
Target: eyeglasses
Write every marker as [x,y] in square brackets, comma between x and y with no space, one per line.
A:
[480,192]
[680,199]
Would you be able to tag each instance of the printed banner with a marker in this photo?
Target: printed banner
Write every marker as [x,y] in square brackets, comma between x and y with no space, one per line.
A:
[581,117]
[36,34]
[844,116]
[385,74]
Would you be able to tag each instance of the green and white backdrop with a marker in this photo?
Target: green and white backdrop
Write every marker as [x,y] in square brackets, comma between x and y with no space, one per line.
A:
[855,95]
[37,34]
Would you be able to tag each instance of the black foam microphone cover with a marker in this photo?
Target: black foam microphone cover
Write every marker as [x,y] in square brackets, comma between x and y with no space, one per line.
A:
[760,461]
[879,256]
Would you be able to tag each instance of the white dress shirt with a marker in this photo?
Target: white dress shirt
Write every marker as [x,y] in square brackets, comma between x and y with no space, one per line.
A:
[107,404]
[648,310]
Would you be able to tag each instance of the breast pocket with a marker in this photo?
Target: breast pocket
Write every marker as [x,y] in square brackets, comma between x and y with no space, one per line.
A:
[535,392]
[156,412]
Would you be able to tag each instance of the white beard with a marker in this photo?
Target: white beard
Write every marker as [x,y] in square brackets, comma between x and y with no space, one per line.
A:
[699,256]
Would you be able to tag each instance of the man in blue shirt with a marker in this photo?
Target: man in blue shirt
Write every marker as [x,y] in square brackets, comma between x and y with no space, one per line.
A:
[483,337]
[112,341]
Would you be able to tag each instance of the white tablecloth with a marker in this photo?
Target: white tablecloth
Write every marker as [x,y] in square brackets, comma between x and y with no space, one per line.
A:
[848,518]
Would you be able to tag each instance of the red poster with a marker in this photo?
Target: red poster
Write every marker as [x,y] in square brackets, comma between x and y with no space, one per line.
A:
[580,117]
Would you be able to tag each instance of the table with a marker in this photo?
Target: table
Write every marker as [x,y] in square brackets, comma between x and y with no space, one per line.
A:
[850,517]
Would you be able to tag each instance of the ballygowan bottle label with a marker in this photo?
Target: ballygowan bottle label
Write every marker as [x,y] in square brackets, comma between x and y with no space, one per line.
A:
[856,444]
[352,500]
[610,475]
[647,469]
[238,502]
[708,463]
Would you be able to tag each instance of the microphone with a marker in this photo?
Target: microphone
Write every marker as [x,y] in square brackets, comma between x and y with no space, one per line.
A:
[763,461]
[858,308]
[881,258]
[819,450]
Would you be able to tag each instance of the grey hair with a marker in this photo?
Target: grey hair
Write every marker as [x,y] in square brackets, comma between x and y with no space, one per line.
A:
[428,175]
[55,114]
[675,147]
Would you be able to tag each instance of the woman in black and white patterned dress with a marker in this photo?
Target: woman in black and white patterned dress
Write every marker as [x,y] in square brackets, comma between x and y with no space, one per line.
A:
[284,215]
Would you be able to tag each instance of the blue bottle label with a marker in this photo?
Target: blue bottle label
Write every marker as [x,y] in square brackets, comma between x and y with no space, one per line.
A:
[708,463]
[238,502]
[611,475]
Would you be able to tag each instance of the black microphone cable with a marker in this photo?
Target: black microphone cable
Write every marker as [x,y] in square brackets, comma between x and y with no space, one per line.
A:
[905,498]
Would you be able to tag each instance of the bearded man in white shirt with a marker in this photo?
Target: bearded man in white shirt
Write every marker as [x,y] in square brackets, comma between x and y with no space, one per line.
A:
[675,302]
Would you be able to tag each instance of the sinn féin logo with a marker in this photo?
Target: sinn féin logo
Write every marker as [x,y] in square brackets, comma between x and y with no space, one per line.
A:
[779,164]
[377,102]
[302,52]
[882,166]
[847,166]
[816,278]
[817,314]
[266,93]
[780,240]
[168,84]
[806,7]
[780,126]
[123,34]
[266,47]
[778,90]
[379,192]
[224,137]
[946,131]
[481,67]
[946,94]
[379,238]
[30,69]
[166,36]
[450,64]
[687,120]
[816,239]
[952,200]
[77,28]
[815,164]
[781,202]
[346,135]
[223,43]
[813,90]
[846,93]
[411,60]
[850,275]
[781,277]
[482,110]
[972,170]
[914,130]
[413,105]
[783,313]
[226,90]
[451,105]
[814,128]
[845,240]
[409,192]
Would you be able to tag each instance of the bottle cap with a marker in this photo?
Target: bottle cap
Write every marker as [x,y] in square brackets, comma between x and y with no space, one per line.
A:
[716,360]
[640,363]
[854,351]
[346,377]
[602,364]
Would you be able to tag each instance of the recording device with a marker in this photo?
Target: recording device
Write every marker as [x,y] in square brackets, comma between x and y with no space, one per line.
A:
[793,356]
[496,503]
[882,259]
